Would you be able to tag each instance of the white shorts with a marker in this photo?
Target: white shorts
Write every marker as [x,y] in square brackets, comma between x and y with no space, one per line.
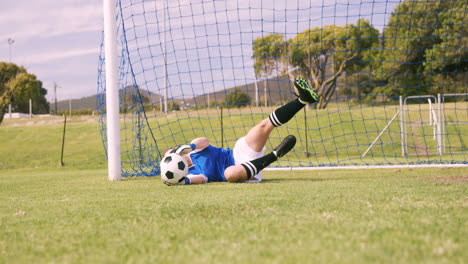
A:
[243,153]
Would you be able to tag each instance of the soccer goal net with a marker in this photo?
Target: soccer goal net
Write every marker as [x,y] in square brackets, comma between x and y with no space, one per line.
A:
[392,78]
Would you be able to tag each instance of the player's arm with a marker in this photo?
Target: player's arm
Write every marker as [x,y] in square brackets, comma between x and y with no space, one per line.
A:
[196,145]
[190,179]
[200,143]
[197,179]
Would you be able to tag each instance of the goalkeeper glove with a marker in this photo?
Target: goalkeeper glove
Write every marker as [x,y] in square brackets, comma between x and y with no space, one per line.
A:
[183,149]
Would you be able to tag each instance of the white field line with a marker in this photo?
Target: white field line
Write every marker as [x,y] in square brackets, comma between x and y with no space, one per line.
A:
[368,167]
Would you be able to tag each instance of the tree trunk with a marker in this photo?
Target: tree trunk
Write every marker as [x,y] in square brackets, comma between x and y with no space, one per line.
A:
[327,95]
[2,113]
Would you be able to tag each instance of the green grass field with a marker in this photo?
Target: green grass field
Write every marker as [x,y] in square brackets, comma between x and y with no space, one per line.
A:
[73,214]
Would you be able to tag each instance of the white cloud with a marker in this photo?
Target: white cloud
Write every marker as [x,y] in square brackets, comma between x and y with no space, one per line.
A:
[56,40]
[60,55]
[38,19]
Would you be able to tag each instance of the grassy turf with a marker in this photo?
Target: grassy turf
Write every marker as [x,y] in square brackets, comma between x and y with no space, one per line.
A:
[386,216]
[74,214]
[37,143]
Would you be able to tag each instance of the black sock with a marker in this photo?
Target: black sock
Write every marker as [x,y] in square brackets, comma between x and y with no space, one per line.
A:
[253,167]
[285,113]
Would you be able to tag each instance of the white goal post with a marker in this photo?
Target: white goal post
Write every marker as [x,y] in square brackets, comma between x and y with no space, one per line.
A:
[112,91]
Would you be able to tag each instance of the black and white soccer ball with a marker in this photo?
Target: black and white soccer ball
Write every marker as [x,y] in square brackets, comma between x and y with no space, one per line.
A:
[174,168]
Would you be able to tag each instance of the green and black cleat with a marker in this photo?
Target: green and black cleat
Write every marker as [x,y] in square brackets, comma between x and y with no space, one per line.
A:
[305,93]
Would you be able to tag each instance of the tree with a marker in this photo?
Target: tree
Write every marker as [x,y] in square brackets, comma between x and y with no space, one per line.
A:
[324,54]
[449,56]
[17,86]
[237,99]
[134,102]
[422,42]
[39,103]
[269,54]
[320,54]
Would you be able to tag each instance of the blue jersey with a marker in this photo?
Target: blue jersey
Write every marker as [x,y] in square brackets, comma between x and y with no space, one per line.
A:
[211,162]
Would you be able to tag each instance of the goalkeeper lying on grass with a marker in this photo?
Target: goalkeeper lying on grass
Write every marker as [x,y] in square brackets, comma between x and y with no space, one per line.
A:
[246,160]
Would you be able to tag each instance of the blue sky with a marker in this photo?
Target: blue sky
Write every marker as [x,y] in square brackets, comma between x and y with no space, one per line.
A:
[59,40]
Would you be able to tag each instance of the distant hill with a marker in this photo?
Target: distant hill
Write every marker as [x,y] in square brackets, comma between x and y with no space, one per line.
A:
[279,90]
[89,102]
[76,104]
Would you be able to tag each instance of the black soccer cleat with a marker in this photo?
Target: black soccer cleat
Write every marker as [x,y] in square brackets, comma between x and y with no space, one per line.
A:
[305,93]
[285,146]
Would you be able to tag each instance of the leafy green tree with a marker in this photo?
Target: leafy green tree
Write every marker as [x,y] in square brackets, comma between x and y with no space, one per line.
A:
[269,54]
[357,85]
[17,86]
[237,99]
[134,101]
[324,54]
[172,106]
[422,41]
[448,57]
[320,54]
[39,103]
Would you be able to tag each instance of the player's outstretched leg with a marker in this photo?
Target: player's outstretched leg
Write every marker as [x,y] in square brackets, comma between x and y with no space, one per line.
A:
[285,146]
[305,93]
[253,167]
[257,137]
[284,113]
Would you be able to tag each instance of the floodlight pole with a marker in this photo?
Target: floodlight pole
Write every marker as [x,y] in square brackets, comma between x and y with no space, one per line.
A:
[10,42]
[55,93]
[112,91]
